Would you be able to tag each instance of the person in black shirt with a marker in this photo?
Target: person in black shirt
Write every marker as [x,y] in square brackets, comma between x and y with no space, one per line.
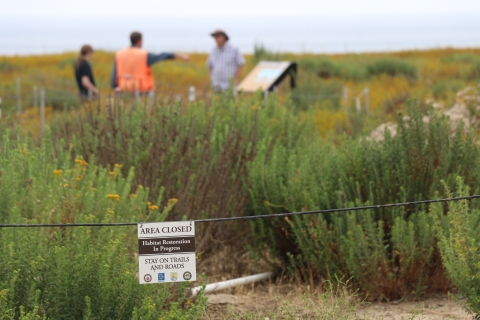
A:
[83,72]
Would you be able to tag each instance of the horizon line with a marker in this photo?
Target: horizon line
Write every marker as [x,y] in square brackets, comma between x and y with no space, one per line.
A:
[436,48]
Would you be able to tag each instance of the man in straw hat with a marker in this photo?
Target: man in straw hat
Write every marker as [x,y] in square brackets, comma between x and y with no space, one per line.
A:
[225,62]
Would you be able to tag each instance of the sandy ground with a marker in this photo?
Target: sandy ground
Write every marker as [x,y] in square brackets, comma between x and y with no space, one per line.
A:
[262,301]
[432,308]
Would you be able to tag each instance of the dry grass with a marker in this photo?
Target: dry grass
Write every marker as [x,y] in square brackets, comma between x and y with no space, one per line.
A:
[282,299]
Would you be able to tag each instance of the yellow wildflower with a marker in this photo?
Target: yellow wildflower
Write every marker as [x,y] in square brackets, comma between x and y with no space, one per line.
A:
[81,162]
[112,174]
[66,185]
[78,178]
[149,203]
[153,207]
[172,201]
[116,165]
[57,173]
[113,197]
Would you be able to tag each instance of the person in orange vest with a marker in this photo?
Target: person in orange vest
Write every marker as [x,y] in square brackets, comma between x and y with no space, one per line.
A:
[132,67]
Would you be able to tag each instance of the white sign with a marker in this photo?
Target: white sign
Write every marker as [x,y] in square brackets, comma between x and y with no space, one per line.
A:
[263,76]
[166,252]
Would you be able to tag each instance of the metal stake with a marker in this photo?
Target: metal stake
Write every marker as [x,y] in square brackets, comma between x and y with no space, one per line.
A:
[191,94]
[345,98]
[367,100]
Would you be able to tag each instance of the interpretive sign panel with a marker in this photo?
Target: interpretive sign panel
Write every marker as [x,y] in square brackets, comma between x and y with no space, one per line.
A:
[266,75]
[166,252]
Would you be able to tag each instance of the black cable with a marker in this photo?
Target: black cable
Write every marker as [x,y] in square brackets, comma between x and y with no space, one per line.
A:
[273,215]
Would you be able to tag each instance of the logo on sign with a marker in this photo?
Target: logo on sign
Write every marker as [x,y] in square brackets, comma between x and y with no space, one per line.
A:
[161,277]
[147,278]
[173,276]
[187,275]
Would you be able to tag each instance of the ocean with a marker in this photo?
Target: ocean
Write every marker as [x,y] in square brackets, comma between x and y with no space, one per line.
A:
[315,34]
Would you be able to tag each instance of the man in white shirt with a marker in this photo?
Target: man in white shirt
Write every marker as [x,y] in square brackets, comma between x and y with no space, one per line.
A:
[225,62]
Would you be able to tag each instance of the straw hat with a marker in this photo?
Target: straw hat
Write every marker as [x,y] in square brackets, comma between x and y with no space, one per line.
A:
[219,32]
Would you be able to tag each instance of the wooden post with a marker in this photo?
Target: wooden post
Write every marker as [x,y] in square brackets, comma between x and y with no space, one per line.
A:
[42,109]
[191,94]
[151,98]
[358,104]
[367,101]
[345,98]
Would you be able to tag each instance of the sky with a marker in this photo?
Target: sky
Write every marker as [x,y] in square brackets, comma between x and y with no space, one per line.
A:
[215,8]
[340,26]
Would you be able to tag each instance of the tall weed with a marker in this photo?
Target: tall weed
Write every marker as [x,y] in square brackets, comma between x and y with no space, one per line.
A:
[459,244]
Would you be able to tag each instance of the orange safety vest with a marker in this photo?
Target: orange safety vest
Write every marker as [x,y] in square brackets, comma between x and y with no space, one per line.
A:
[133,72]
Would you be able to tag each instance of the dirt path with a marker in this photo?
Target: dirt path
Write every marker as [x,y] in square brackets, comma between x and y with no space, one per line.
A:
[433,308]
[262,303]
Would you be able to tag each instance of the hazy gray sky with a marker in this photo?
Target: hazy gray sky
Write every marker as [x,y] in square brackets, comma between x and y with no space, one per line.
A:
[184,8]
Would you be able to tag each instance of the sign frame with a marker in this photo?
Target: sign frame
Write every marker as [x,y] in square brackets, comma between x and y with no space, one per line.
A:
[166,252]
[267,75]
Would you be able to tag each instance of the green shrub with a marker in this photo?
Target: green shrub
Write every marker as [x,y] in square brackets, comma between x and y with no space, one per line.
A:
[327,68]
[440,90]
[324,68]
[393,68]
[7,67]
[260,52]
[353,71]
[464,58]
[75,273]
[62,100]
[474,73]
[197,154]
[389,252]
[308,94]
[460,246]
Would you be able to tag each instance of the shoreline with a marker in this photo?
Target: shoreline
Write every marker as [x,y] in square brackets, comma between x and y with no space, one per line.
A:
[289,53]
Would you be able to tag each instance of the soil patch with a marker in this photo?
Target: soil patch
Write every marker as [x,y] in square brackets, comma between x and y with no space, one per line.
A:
[264,300]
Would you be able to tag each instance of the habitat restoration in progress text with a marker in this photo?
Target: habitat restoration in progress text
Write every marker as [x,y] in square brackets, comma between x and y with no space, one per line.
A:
[166,252]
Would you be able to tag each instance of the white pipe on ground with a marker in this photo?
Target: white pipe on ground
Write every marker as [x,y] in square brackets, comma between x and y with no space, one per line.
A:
[232,283]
